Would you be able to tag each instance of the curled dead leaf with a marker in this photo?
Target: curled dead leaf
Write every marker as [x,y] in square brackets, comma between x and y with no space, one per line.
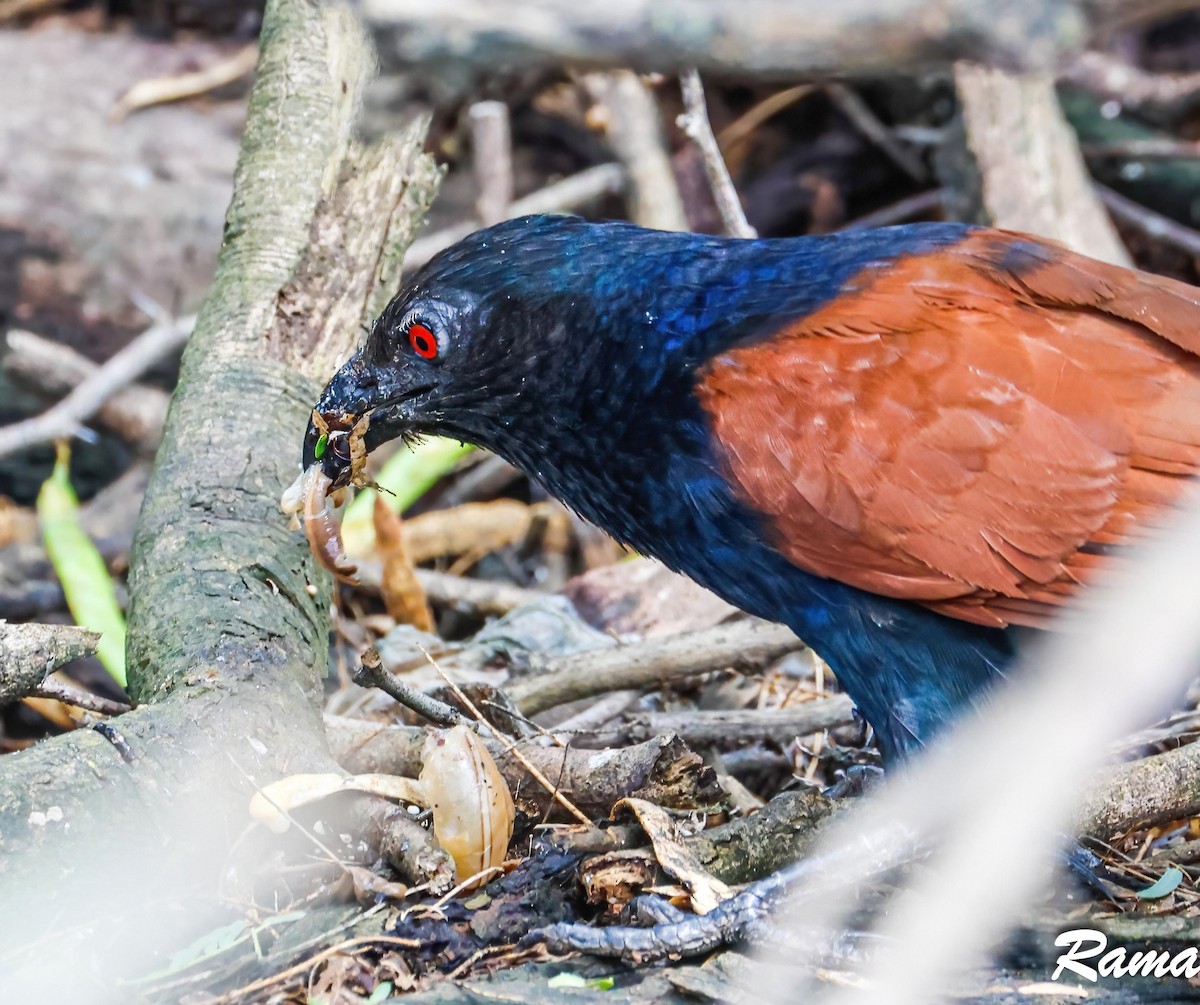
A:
[473,812]
[476,528]
[272,803]
[677,860]
[402,594]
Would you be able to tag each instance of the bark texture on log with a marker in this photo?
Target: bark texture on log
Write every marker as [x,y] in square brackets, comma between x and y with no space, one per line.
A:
[760,38]
[1153,790]
[29,653]
[228,620]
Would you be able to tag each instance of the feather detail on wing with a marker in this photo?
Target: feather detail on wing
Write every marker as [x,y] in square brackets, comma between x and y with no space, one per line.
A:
[978,429]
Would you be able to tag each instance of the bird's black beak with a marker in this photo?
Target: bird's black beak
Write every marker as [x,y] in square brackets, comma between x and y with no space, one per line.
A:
[358,389]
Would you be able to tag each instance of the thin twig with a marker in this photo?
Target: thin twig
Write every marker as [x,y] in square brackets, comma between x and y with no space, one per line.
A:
[372,673]
[177,87]
[1152,148]
[598,714]
[63,690]
[136,413]
[1160,227]
[920,136]
[491,151]
[561,197]
[634,130]
[898,212]
[469,596]
[477,596]
[700,727]
[64,418]
[696,126]
[851,105]
[1178,729]
[309,963]
[485,479]
[488,871]
[654,661]
[738,131]
[509,746]
[1111,77]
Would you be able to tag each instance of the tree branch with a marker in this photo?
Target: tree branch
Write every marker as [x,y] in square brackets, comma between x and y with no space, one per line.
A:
[228,623]
[30,653]
[63,419]
[743,644]
[696,126]
[136,412]
[1019,166]
[763,38]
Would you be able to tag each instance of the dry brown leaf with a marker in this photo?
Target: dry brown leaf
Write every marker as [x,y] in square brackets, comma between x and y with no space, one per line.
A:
[402,594]
[62,715]
[677,861]
[338,980]
[17,523]
[271,804]
[394,967]
[475,528]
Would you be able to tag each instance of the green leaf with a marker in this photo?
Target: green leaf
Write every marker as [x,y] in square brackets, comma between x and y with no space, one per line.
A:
[407,476]
[217,941]
[209,944]
[382,992]
[322,444]
[602,983]
[86,583]
[1166,883]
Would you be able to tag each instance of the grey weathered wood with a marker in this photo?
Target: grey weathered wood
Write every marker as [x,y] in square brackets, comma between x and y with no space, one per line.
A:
[228,619]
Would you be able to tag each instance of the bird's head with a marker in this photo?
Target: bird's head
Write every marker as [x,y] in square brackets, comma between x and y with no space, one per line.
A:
[502,336]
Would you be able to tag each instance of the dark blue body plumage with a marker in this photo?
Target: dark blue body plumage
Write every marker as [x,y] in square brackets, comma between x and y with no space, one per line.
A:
[592,357]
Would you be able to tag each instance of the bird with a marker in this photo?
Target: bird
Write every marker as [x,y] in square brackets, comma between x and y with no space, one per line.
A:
[911,445]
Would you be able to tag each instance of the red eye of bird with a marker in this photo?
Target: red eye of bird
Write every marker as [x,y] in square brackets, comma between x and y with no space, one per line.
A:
[422,341]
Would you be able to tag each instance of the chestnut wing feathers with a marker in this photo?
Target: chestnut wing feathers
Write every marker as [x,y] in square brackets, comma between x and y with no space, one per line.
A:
[972,429]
